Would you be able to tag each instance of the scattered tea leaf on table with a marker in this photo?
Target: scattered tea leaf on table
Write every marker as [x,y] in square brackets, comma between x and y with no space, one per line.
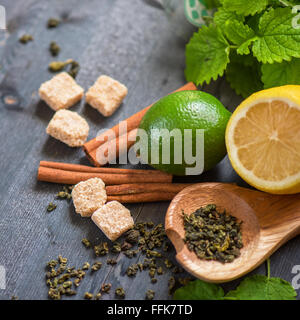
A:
[54,48]
[26,38]
[53,23]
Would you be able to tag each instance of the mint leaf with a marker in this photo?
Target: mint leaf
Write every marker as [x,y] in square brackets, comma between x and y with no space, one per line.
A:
[243,74]
[240,34]
[259,287]
[246,60]
[279,74]
[199,290]
[245,7]
[290,3]
[253,22]
[211,4]
[222,16]
[207,55]
[277,39]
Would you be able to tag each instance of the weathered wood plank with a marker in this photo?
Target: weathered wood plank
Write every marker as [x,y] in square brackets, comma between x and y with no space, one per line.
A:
[131,41]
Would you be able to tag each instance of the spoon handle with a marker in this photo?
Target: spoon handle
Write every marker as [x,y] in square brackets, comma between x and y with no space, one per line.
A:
[278,215]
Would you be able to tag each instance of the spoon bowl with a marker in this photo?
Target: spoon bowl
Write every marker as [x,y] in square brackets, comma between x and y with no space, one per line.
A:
[268,222]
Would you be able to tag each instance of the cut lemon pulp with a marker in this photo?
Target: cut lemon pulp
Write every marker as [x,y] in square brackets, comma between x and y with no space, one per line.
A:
[263,140]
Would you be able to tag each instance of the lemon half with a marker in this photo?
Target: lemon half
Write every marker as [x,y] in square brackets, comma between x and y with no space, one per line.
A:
[263,140]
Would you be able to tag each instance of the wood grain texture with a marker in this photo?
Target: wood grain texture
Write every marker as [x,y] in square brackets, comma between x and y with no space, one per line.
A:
[128,40]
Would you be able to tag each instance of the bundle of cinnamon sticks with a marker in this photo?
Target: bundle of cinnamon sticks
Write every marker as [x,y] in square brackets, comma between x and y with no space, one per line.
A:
[123,185]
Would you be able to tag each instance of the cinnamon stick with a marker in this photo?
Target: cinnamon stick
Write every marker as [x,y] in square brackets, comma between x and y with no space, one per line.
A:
[88,169]
[73,177]
[142,197]
[133,122]
[136,188]
[121,144]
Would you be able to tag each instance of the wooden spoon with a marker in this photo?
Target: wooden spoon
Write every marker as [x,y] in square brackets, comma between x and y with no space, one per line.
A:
[268,222]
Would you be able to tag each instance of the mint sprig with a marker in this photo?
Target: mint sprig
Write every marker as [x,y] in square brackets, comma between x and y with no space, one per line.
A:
[199,290]
[207,55]
[279,74]
[249,7]
[257,287]
[222,16]
[261,30]
[244,78]
[240,34]
[277,39]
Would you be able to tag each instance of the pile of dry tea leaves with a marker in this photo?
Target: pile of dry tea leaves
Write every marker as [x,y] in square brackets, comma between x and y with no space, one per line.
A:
[61,279]
[213,235]
[144,239]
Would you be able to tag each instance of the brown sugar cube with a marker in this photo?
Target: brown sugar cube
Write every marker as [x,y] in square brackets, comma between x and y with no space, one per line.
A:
[106,95]
[68,127]
[61,92]
[88,196]
[113,219]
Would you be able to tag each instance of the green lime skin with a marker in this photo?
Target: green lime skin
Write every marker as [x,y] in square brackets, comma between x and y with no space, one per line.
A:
[187,110]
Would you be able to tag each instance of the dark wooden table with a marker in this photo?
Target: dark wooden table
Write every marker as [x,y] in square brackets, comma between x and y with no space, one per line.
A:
[130,40]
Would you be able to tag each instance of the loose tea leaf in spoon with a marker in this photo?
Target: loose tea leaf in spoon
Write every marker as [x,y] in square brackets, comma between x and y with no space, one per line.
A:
[213,235]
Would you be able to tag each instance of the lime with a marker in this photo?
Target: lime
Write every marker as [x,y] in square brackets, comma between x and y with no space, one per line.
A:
[186,110]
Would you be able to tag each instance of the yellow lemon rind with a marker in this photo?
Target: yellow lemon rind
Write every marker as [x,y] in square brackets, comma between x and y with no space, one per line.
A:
[291,95]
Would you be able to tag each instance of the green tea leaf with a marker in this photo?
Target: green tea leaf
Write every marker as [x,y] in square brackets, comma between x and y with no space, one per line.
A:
[199,290]
[245,7]
[207,55]
[240,34]
[277,39]
[259,287]
[222,16]
[279,74]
